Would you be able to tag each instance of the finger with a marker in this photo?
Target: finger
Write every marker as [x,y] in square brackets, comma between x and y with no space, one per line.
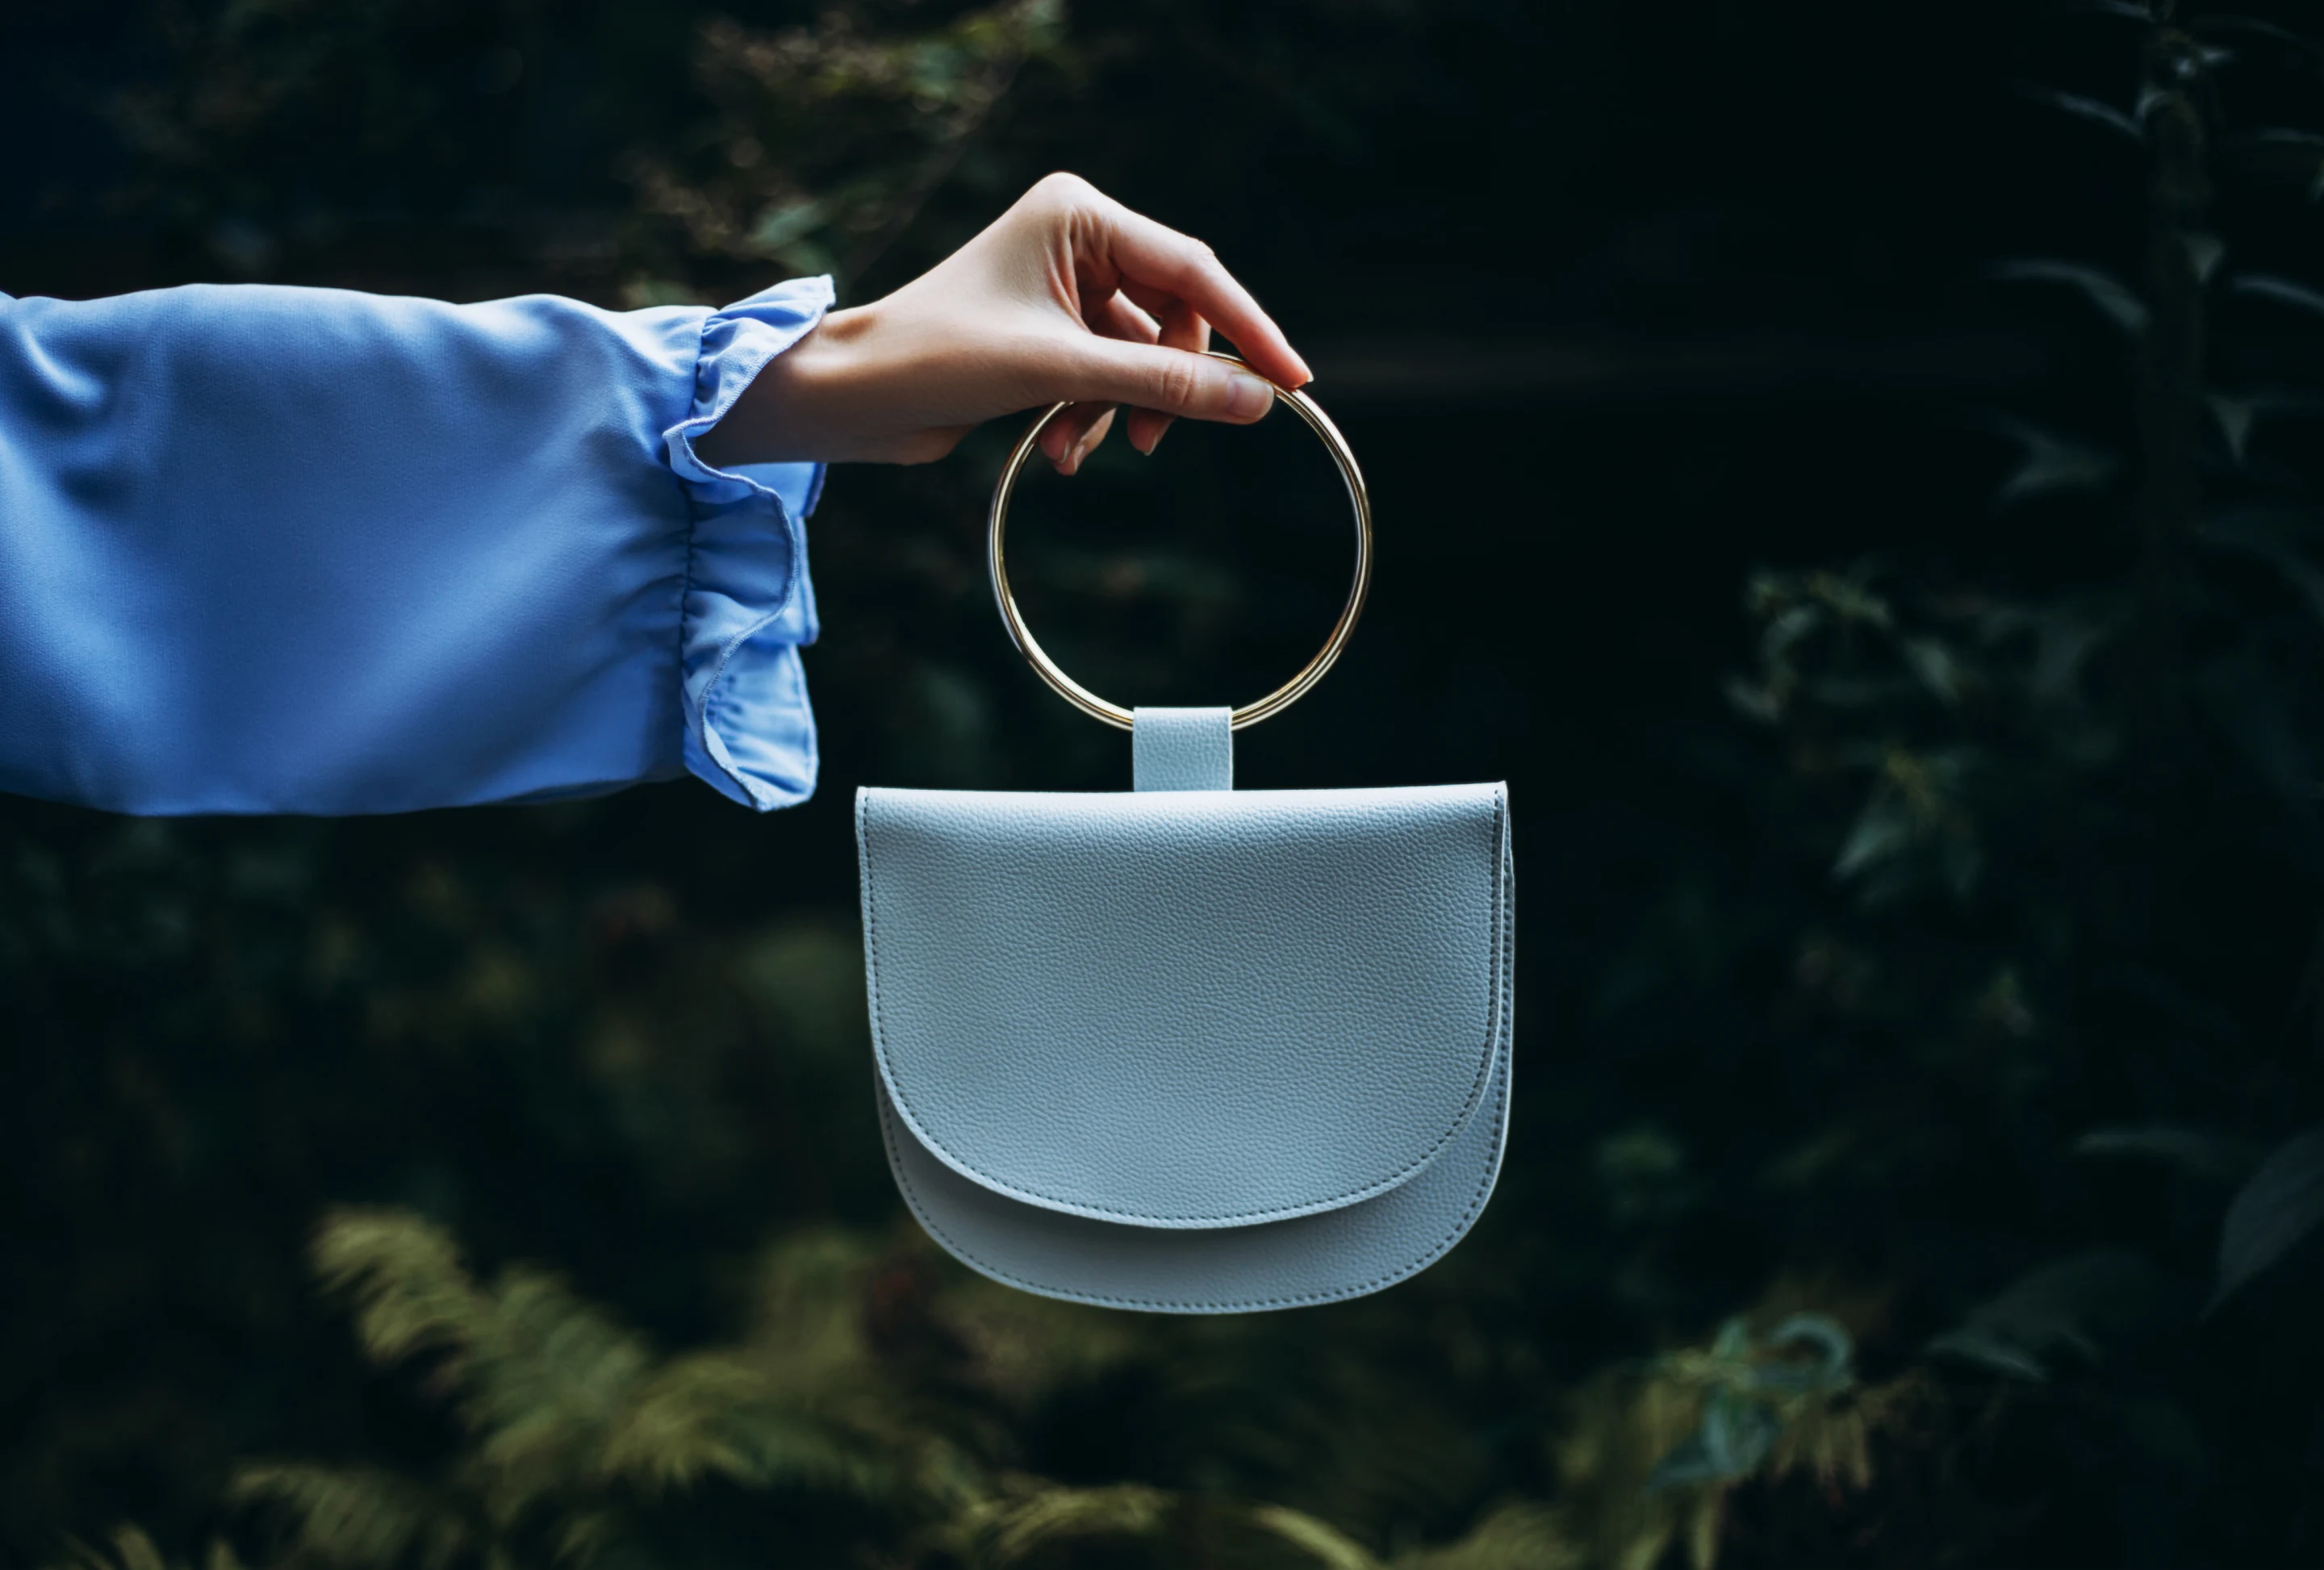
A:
[1116,317]
[1182,327]
[1162,302]
[1068,439]
[1060,435]
[1089,441]
[1155,302]
[1170,382]
[1160,258]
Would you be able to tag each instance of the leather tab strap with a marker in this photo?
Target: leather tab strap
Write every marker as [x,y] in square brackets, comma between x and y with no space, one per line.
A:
[1182,750]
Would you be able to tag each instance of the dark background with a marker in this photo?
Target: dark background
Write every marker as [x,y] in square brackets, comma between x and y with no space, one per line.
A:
[1906,675]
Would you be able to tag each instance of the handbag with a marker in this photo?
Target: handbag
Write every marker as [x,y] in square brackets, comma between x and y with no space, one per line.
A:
[1183,1047]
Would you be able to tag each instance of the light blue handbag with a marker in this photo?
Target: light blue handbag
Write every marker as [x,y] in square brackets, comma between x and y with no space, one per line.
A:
[1188,1048]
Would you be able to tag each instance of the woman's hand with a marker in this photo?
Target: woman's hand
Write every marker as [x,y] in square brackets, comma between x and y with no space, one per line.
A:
[1068,297]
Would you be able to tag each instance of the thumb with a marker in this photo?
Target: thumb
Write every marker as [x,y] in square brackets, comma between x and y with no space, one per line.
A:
[1174,381]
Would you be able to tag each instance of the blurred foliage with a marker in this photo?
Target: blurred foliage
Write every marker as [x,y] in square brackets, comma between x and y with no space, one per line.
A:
[1921,1161]
[821,144]
[829,140]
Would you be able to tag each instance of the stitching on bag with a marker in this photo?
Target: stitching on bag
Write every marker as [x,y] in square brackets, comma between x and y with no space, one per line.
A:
[1495,1003]
[1302,1300]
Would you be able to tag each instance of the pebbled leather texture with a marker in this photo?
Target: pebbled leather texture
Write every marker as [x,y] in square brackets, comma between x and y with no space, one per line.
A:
[1182,750]
[1191,1051]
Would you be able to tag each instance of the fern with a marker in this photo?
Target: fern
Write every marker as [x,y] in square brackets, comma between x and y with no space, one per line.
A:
[714,1414]
[1031,1520]
[404,1278]
[361,1515]
[578,1427]
[129,1548]
[540,1377]
[1326,1546]
[1032,1517]
[1514,1536]
[577,1421]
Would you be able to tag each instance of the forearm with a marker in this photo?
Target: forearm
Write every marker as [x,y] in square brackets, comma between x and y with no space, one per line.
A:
[297,550]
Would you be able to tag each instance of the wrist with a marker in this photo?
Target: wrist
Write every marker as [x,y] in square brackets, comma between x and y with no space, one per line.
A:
[794,410]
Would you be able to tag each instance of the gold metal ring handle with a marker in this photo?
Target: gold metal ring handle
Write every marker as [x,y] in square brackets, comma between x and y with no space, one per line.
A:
[1266,707]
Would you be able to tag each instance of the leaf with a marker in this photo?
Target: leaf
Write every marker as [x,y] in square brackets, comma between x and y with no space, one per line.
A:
[1517,1536]
[2064,647]
[2305,150]
[2089,109]
[1991,1351]
[1792,624]
[2204,253]
[2195,1151]
[781,226]
[585,1535]
[2113,297]
[135,1550]
[2247,699]
[357,1515]
[1733,1342]
[1884,829]
[2282,290]
[805,256]
[2283,136]
[1688,1461]
[1764,704]
[2235,417]
[2257,28]
[714,1413]
[2273,535]
[1823,1333]
[1047,1514]
[642,292]
[132,1549]
[1326,1544]
[1937,667]
[2067,1306]
[403,1275]
[1738,1432]
[2048,464]
[2282,1204]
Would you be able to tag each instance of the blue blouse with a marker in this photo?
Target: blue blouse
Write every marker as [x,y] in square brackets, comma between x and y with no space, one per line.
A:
[293,550]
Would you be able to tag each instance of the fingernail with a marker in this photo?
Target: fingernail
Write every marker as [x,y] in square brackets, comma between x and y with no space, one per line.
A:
[1155,440]
[1247,397]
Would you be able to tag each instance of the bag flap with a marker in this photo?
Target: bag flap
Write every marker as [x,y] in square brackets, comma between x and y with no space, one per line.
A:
[1186,1009]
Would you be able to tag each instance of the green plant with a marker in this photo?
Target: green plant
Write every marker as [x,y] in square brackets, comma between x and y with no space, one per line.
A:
[2015,773]
[129,1548]
[860,1382]
[828,141]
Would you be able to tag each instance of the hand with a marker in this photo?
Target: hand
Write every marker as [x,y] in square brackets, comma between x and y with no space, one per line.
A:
[1068,297]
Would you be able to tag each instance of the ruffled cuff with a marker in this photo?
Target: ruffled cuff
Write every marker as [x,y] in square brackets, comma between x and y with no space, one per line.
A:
[748,605]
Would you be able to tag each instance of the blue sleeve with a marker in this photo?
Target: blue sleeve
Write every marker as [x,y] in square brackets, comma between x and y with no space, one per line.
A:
[288,550]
